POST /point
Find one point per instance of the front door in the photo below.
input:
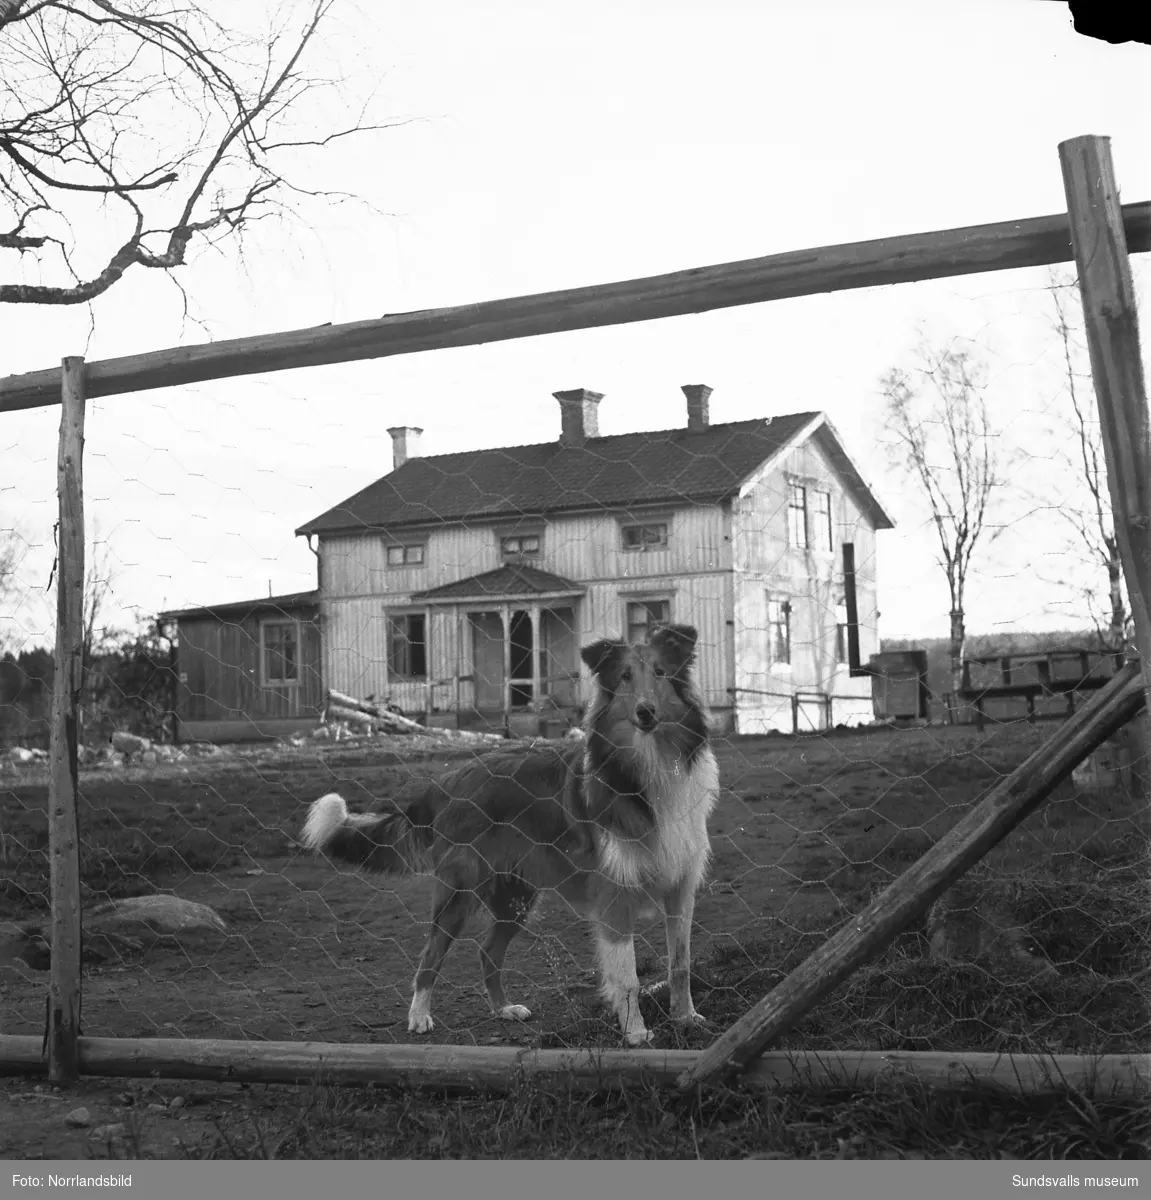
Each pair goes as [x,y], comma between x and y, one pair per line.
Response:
[559,662]
[488,658]
[522,650]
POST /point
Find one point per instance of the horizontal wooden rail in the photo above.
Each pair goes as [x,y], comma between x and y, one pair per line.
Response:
[497,1067]
[1034,242]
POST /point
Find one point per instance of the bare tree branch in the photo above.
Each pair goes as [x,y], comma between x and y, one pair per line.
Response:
[182,119]
[8,146]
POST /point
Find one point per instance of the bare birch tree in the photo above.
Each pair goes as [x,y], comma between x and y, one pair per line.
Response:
[941,438]
[1089,518]
[13,548]
[99,584]
[132,129]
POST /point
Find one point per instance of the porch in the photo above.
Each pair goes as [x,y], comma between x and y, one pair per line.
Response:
[515,666]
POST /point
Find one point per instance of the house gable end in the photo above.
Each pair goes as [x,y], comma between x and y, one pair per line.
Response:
[847,473]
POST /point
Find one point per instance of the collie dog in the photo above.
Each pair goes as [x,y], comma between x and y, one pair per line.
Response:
[617,826]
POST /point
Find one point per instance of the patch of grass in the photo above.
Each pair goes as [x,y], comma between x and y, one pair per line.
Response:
[1094,924]
[138,830]
[897,1120]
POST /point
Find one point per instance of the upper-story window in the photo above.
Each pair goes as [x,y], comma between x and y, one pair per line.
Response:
[648,536]
[797,516]
[408,555]
[520,545]
[822,530]
[809,518]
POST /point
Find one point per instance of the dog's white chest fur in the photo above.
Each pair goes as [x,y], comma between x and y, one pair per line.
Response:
[678,847]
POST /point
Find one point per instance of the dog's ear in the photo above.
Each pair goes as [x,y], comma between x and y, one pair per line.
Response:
[600,655]
[677,642]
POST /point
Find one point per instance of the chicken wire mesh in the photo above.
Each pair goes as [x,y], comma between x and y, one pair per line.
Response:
[1041,948]
[455,597]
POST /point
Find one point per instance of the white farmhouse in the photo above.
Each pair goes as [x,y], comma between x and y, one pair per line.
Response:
[463,585]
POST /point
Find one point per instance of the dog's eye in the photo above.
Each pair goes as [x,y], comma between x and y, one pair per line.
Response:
[625,675]
[658,672]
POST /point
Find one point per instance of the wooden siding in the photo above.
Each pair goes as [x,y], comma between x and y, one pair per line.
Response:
[586,548]
[704,601]
[357,633]
[811,580]
[221,680]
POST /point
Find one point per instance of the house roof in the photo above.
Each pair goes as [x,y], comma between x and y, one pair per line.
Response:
[512,579]
[286,605]
[673,466]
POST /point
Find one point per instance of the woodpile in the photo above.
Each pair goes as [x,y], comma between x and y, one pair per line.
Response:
[374,717]
[369,717]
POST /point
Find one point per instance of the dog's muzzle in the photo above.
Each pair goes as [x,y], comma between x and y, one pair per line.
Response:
[645,719]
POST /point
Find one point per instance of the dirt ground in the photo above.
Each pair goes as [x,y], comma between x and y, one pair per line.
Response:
[806,829]
[123,1119]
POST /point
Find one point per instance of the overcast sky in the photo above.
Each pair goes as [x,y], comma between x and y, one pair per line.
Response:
[548,150]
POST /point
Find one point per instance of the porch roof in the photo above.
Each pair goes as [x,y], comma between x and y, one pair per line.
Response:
[512,581]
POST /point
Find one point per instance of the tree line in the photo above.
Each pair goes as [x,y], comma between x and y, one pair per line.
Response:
[129,683]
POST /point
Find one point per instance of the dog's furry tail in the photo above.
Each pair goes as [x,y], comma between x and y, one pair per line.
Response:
[389,843]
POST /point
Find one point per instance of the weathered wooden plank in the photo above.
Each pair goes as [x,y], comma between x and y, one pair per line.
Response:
[63,781]
[380,719]
[1112,326]
[496,1068]
[1000,811]
[1007,245]
[363,707]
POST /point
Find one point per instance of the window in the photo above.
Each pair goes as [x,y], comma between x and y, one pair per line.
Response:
[797,515]
[643,614]
[520,544]
[841,632]
[644,537]
[407,647]
[821,520]
[779,630]
[280,652]
[406,556]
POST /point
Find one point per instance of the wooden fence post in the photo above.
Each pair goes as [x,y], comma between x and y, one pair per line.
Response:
[63,830]
[866,935]
[1112,326]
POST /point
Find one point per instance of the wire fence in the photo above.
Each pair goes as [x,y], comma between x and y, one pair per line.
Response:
[807,832]
[455,600]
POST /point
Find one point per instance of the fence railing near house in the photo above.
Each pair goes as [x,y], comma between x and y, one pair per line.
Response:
[1049,683]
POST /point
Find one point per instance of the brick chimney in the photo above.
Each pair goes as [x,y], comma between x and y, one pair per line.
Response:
[579,416]
[405,444]
[697,408]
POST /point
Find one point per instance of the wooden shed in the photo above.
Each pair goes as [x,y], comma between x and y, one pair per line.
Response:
[248,670]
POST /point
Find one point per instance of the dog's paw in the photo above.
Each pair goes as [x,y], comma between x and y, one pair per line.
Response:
[690,1019]
[514,1012]
[638,1037]
[655,989]
[420,1023]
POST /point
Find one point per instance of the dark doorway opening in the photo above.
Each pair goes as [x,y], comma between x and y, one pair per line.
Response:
[520,635]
